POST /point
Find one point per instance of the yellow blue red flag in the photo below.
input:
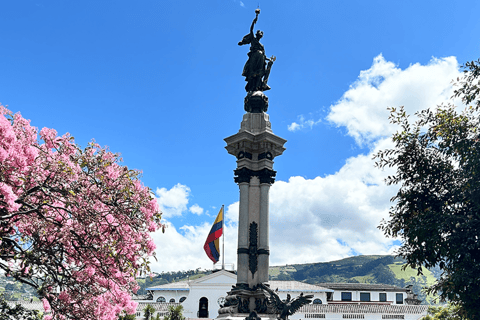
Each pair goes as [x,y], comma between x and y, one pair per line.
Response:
[211,245]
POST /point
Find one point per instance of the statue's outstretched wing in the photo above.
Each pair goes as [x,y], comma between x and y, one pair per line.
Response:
[273,298]
[246,40]
[298,302]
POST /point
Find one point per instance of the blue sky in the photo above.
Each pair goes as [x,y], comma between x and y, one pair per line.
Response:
[160,82]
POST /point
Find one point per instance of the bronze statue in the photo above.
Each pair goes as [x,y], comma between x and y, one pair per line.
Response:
[255,72]
[285,308]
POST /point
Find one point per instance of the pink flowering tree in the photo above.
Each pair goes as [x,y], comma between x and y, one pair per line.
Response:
[74,223]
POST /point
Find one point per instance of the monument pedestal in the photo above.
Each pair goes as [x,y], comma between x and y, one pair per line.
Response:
[255,147]
[243,316]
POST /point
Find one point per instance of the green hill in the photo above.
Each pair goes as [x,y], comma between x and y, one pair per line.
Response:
[359,269]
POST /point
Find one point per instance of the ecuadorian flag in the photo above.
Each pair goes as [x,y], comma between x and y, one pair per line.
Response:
[211,246]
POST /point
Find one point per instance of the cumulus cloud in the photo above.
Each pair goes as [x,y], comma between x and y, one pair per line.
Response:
[182,248]
[231,215]
[330,217]
[362,108]
[196,209]
[174,201]
[302,124]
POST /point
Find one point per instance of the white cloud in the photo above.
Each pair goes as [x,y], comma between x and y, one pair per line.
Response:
[331,217]
[182,248]
[196,209]
[302,124]
[362,108]
[174,201]
[231,215]
[293,127]
[242,4]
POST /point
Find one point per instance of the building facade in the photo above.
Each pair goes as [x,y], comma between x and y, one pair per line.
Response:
[201,298]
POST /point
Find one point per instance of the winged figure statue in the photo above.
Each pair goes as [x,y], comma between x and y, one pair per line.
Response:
[288,306]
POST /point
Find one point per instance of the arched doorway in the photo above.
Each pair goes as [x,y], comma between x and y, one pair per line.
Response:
[203,308]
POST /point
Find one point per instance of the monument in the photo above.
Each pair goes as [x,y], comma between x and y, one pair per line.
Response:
[255,146]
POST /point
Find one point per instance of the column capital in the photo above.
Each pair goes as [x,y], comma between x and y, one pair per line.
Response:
[244,175]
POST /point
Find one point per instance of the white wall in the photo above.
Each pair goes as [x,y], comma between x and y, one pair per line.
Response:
[177,294]
[374,296]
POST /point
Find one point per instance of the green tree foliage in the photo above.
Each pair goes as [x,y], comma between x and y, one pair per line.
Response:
[17,313]
[384,275]
[175,313]
[436,211]
[148,312]
[127,317]
[283,276]
[448,312]
[342,270]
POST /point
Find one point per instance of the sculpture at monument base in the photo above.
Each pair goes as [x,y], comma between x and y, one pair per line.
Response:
[286,307]
[267,302]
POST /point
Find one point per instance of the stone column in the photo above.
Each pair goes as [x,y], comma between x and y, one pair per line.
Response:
[255,146]
[242,253]
[263,231]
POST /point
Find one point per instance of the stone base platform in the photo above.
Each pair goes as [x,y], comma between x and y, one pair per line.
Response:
[242,316]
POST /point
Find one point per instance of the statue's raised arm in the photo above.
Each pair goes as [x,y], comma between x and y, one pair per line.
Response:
[256,71]
[248,38]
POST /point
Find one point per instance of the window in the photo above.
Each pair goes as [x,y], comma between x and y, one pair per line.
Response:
[353,316]
[161,299]
[172,300]
[182,299]
[399,298]
[317,301]
[202,308]
[346,296]
[382,297]
[364,296]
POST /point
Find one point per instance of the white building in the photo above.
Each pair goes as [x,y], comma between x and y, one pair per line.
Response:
[201,298]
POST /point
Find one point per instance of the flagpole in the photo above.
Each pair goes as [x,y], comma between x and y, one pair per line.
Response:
[223,238]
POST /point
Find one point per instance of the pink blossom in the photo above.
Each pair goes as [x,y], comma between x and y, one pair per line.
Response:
[110,218]
[90,271]
[9,197]
[64,296]
[46,305]
[49,136]
[151,246]
[152,227]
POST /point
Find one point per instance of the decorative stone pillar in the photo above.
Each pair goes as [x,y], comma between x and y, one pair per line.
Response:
[255,147]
